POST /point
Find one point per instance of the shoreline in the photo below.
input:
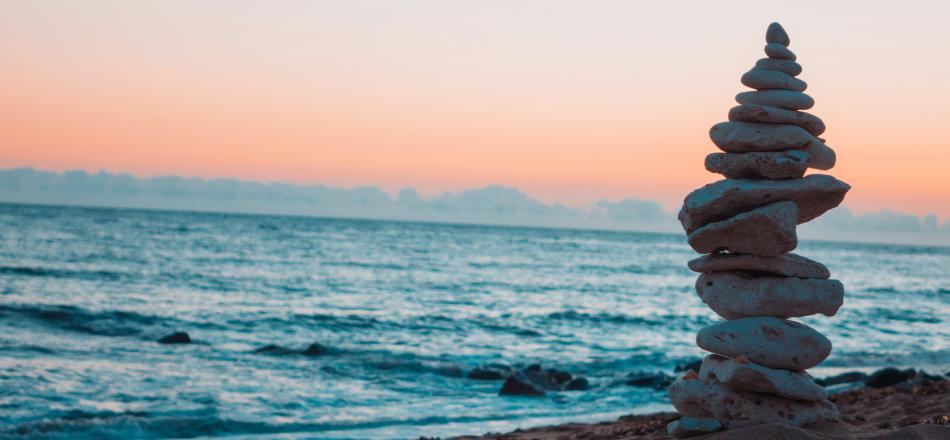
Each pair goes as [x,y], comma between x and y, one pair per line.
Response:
[899,412]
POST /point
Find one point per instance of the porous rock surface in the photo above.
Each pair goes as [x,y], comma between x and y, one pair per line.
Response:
[746,226]
[768,341]
[736,294]
[789,265]
[768,231]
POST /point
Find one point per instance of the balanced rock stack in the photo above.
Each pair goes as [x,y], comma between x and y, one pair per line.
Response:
[745,224]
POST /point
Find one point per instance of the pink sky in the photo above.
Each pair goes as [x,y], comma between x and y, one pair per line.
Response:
[568,101]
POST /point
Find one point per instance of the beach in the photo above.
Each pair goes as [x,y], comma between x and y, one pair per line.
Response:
[900,412]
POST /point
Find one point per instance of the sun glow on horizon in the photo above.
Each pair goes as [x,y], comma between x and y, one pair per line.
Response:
[570,103]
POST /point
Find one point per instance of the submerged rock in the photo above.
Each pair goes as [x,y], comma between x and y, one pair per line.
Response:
[175,338]
[274,350]
[490,372]
[533,379]
[315,349]
[838,379]
[518,384]
[889,376]
[655,380]
[577,384]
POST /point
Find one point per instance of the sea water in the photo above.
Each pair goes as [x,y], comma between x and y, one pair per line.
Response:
[403,312]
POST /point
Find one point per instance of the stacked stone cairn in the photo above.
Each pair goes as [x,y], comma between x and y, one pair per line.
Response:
[745,225]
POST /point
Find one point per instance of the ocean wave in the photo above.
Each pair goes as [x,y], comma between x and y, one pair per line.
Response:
[573,315]
[139,424]
[72,318]
[38,271]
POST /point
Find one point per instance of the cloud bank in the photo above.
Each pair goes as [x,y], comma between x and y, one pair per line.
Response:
[489,205]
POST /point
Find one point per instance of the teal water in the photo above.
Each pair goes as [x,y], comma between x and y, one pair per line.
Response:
[404,311]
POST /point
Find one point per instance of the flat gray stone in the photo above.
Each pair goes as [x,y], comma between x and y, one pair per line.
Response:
[786,66]
[768,230]
[789,265]
[707,398]
[740,374]
[775,50]
[813,194]
[745,137]
[736,295]
[786,99]
[691,427]
[772,342]
[777,115]
[776,34]
[761,79]
[787,164]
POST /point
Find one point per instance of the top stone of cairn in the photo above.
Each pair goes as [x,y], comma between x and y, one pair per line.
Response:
[776,34]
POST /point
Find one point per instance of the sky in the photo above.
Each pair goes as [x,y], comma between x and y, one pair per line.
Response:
[570,102]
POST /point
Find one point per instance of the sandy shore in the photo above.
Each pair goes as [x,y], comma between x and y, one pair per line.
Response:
[894,413]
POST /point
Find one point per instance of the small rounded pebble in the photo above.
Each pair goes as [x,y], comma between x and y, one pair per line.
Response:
[776,34]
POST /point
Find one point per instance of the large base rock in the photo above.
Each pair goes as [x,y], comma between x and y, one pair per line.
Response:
[768,231]
[772,342]
[744,375]
[813,195]
[707,398]
[735,295]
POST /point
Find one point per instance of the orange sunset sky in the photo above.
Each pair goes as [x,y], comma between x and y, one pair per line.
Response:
[568,101]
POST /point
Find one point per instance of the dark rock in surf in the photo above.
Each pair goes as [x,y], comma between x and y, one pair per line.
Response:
[889,376]
[315,350]
[175,338]
[273,350]
[533,378]
[518,384]
[657,380]
[490,372]
[838,379]
[577,384]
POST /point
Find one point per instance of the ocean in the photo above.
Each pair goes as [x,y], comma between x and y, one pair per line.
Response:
[401,312]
